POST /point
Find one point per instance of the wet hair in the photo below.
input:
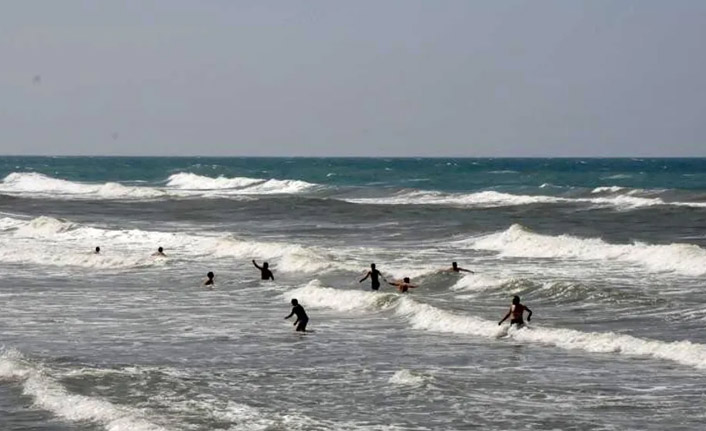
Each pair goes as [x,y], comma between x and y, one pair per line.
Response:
[294,302]
[406,279]
[454,264]
[372,265]
[515,299]
[265,264]
[160,249]
[98,249]
[209,275]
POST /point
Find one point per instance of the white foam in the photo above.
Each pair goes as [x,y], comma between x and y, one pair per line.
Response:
[49,395]
[406,377]
[315,295]
[32,183]
[492,199]
[478,282]
[479,199]
[238,185]
[427,317]
[518,241]
[607,189]
[47,240]
[189,181]
[181,185]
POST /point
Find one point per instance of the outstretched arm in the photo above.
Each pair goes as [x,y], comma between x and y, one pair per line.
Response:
[256,265]
[365,278]
[466,270]
[290,315]
[506,316]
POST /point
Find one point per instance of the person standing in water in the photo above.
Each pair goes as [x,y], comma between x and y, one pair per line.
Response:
[517,311]
[302,318]
[159,252]
[456,268]
[375,276]
[402,286]
[98,250]
[265,273]
[210,281]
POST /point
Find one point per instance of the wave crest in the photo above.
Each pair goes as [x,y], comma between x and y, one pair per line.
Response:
[427,317]
[50,395]
[238,185]
[518,241]
[181,185]
[50,241]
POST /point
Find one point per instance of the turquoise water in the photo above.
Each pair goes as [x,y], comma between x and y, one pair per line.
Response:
[434,174]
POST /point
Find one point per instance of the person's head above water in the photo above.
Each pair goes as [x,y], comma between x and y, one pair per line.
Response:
[265,265]
[515,300]
[454,265]
[295,302]
[406,279]
[98,249]
[372,266]
[210,275]
[160,249]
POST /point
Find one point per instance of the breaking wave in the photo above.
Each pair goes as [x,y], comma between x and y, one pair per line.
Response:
[32,183]
[50,241]
[491,199]
[427,317]
[181,185]
[518,241]
[48,394]
[238,185]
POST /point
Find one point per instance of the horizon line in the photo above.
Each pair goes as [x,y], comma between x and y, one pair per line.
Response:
[347,157]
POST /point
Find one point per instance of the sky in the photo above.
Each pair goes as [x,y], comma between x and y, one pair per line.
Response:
[409,78]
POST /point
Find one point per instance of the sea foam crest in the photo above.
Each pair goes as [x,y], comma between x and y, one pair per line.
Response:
[607,189]
[491,199]
[238,185]
[34,183]
[480,199]
[47,240]
[50,395]
[406,377]
[181,185]
[518,241]
[427,317]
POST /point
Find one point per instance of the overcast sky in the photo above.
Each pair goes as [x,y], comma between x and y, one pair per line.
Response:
[358,78]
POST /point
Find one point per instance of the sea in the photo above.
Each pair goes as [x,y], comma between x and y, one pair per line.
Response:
[609,254]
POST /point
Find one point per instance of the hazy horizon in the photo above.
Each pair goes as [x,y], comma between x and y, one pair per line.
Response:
[455,79]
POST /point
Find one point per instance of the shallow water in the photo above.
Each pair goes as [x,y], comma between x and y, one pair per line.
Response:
[609,254]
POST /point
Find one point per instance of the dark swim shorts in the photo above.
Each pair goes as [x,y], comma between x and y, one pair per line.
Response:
[301,327]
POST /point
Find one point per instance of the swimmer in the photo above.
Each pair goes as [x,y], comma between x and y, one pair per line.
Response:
[210,281]
[98,250]
[302,318]
[456,268]
[159,252]
[265,273]
[374,275]
[402,286]
[517,311]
